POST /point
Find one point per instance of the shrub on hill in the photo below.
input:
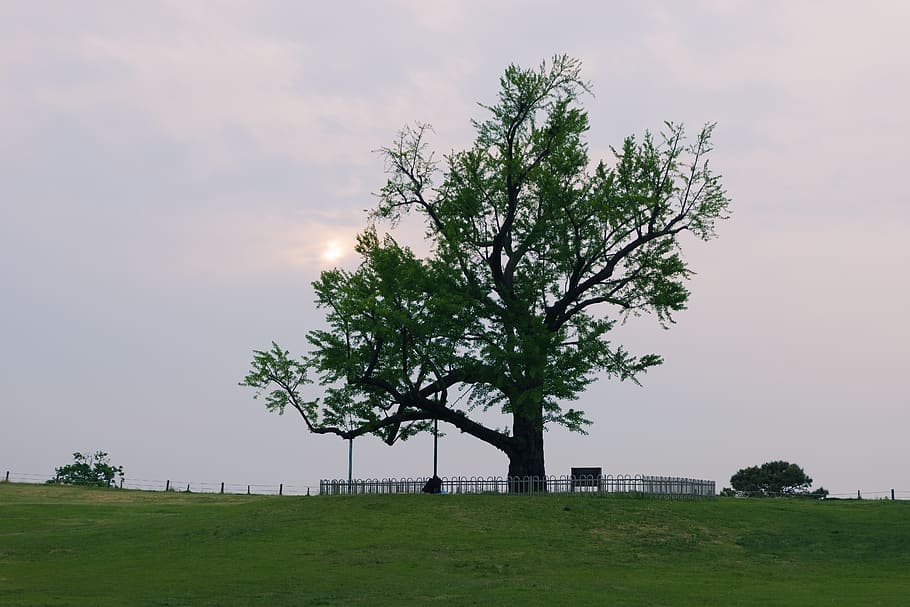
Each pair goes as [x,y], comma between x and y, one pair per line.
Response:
[88,469]
[778,478]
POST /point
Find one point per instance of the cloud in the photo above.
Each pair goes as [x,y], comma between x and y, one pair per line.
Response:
[202,73]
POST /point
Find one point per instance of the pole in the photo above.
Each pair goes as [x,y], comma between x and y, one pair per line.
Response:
[350,460]
[435,446]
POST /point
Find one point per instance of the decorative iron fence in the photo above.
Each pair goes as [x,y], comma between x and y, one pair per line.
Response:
[651,486]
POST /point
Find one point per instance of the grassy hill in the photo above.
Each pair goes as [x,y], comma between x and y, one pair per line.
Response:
[78,546]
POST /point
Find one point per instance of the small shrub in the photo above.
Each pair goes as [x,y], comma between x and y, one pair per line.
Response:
[88,469]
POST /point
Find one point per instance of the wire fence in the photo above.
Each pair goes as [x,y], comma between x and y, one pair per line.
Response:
[884,494]
[181,485]
[650,486]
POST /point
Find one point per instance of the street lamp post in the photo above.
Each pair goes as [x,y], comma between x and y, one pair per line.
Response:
[435,445]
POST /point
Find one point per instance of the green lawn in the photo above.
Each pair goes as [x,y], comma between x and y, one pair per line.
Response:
[78,546]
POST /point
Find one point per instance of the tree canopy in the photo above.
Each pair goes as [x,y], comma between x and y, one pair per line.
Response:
[537,253]
[777,478]
[88,469]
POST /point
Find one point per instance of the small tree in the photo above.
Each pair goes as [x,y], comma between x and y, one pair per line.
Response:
[88,469]
[777,478]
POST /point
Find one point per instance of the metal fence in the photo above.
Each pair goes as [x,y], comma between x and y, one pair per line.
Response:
[650,486]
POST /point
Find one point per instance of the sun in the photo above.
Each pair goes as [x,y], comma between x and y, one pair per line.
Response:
[332,251]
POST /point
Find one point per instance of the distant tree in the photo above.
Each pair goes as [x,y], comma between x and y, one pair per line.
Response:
[88,469]
[778,478]
[537,254]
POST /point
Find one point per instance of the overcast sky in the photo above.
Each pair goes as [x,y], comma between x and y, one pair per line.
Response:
[174,175]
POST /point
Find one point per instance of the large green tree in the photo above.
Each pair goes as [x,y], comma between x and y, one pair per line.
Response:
[537,253]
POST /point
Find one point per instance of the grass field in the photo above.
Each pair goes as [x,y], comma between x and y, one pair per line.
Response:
[78,546]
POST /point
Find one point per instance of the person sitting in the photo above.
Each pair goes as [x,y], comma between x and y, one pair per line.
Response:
[434,485]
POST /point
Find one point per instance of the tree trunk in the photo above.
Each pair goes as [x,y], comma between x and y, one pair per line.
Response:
[526,463]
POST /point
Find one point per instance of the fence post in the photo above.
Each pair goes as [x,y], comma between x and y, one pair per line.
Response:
[7,476]
[892,493]
[222,486]
[247,489]
[281,489]
[858,496]
[167,485]
[121,482]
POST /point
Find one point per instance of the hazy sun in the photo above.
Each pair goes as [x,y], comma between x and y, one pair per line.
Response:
[332,251]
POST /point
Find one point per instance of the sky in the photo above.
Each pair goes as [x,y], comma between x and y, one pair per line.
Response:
[174,175]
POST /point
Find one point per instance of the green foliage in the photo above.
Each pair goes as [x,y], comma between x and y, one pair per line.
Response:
[226,550]
[537,254]
[778,478]
[88,469]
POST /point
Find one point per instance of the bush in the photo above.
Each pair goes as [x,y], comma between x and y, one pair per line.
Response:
[777,478]
[94,470]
